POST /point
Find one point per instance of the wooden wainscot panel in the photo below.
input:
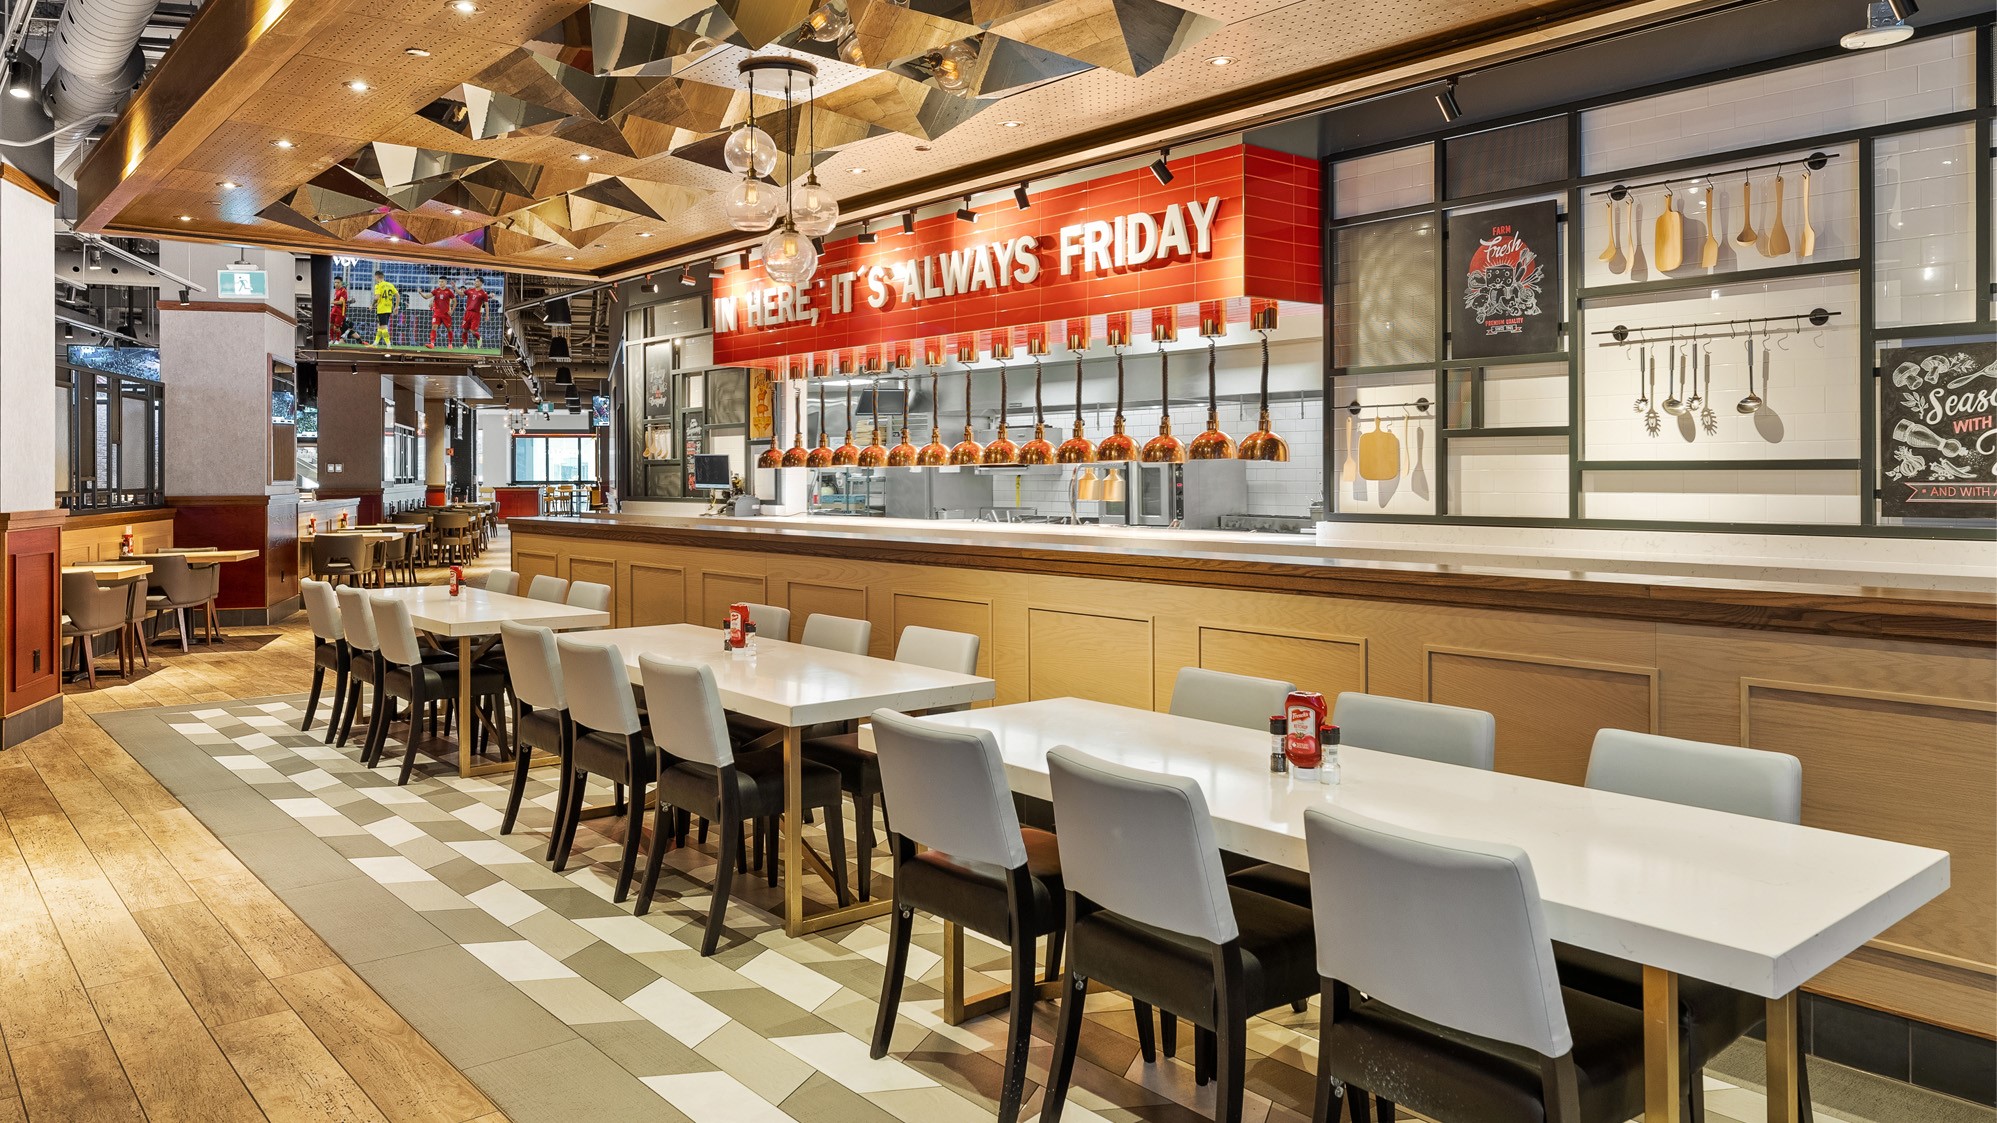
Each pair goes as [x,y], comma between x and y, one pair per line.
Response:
[654,594]
[973,617]
[719,589]
[31,606]
[807,599]
[603,571]
[1083,655]
[530,564]
[1548,709]
[92,538]
[1326,664]
[1860,750]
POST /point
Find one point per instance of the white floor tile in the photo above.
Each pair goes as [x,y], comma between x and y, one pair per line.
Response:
[265,721]
[629,933]
[254,741]
[505,902]
[395,831]
[241,763]
[317,779]
[390,871]
[479,816]
[385,795]
[715,1097]
[206,714]
[489,852]
[779,974]
[685,1017]
[519,961]
[307,808]
[844,1058]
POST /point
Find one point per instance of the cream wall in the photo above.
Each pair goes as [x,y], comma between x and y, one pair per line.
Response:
[27,351]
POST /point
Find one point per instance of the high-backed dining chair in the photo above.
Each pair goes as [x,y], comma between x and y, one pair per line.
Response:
[1439,987]
[1151,914]
[1404,727]
[590,594]
[1229,699]
[336,555]
[329,650]
[357,627]
[976,867]
[457,538]
[700,774]
[211,588]
[1739,781]
[835,633]
[859,770]
[393,556]
[771,622]
[546,588]
[401,672]
[135,619]
[91,610]
[606,739]
[502,581]
[181,587]
[540,714]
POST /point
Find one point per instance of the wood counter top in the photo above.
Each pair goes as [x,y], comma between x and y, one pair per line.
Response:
[1960,616]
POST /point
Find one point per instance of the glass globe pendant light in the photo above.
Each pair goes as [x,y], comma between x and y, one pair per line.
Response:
[749,150]
[815,211]
[828,23]
[788,256]
[751,204]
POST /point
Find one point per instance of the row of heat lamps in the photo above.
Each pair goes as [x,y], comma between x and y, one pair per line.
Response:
[1263,444]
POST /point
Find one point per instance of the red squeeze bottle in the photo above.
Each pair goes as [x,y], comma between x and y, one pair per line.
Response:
[738,619]
[1305,713]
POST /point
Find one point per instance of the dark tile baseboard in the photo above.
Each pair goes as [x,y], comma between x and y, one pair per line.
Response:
[30,722]
[1927,1056]
[274,614]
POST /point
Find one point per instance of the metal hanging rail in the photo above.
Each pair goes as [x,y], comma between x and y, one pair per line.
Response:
[1355,408]
[1623,336]
[1815,161]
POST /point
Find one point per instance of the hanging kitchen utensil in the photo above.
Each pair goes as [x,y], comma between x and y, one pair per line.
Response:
[1808,245]
[875,454]
[821,456]
[1418,474]
[1709,250]
[1674,369]
[1212,444]
[1778,235]
[1620,263]
[1001,450]
[1350,457]
[1753,400]
[1767,361]
[1651,422]
[1164,448]
[1693,398]
[1614,247]
[1263,443]
[1037,450]
[1747,236]
[1668,246]
[902,455]
[848,454]
[935,452]
[1642,395]
[1118,445]
[1379,453]
[968,450]
[1708,420]
[1076,449]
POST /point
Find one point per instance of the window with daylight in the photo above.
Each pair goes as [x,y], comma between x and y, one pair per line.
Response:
[554,460]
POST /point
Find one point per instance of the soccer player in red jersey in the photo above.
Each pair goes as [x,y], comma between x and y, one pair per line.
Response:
[339,317]
[442,297]
[475,298]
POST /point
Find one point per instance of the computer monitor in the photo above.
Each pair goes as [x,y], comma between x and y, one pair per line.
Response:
[710,472]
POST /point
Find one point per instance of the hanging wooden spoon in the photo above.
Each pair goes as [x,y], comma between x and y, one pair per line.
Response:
[1809,242]
[1610,251]
[1620,263]
[1709,253]
[1747,236]
[1778,237]
[1668,247]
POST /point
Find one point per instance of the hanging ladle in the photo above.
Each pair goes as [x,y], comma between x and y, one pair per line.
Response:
[1753,400]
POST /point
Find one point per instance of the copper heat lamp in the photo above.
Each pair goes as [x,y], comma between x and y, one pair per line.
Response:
[1076,449]
[1001,450]
[902,455]
[1164,448]
[935,452]
[820,457]
[968,450]
[848,454]
[1263,443]
[876,453]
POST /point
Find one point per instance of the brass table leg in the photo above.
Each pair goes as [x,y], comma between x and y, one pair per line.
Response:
[791,847]
[1785,1060]
[1662,1055]
[464,707]
[959,1008]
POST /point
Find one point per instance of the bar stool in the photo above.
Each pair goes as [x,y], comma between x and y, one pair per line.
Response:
[329,650]
[1229,699]
[400,672]
[502,581]
[91,610]
[977,867]
[860,770]
[1151,914]
[546,588]
[1439,988]
[700,774]
[540,714]
[1697,774]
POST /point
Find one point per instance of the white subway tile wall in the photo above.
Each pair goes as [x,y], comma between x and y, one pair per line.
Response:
[1384,181]
[1760,496]
[1508,477]
[1924,249]
[1525,395]
[1413,491]
[1833,213]
[1811,409]
[1920,78]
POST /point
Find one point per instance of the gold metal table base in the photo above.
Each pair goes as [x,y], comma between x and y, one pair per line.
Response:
[959,1008]
[1663,1056]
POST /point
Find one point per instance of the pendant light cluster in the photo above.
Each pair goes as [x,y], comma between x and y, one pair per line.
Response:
[753,204]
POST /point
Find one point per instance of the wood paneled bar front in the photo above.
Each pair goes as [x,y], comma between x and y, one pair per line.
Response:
[1889,696]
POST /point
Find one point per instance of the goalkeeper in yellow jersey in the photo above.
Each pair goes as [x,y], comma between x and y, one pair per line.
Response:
[387,298]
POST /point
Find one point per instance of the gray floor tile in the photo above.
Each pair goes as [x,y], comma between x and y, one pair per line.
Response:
[234,810]
[361,920]
[766,1013]
[290,856]
[569,1081]
[614,972]
[644,1049]
[470,926]
[821,1099]
[459,1005]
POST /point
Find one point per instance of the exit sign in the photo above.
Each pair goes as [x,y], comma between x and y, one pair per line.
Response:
[241,284]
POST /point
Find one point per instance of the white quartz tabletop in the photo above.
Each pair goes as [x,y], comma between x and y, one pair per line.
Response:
[1753,904]
[478,612]
[789,684]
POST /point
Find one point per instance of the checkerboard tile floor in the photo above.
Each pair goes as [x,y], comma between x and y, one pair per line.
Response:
[557,1002]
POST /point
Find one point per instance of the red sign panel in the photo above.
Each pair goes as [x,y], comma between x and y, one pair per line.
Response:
[1235,222]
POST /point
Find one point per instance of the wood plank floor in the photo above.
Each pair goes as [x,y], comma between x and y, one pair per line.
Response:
[148,974]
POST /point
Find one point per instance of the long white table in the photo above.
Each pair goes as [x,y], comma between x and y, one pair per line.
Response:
[1756,905]
[477,614]
[792,686]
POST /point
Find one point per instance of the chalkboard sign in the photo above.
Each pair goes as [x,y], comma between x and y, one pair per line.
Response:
[1504,281]
[1938,431]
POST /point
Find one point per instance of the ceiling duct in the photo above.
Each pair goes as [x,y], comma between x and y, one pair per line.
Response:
[96,60]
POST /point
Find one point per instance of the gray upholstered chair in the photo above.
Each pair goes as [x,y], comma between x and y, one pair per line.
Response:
[502,581]
[546,588]
[771,622]
[590,594]
[329,650]
[834,633]
[606,739]
[1229,699]
[977,867]
[859,770]
[457,537]
[1698,774]
[540,713]
[336,555]
[401,672]
[1439,987]
[91,610]
[181,587]
[392,556]
[699,774]
[1430,730]
[1151,914]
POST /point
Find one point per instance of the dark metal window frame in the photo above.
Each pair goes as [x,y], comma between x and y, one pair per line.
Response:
[591,462]
[1574,190]
[80,416]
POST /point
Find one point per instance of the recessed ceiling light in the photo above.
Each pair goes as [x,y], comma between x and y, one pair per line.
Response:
[415,52]
[857,171]
[644,233]
[1012,124]
[282,143]
[584,157]
[358,85]
[395,237]
[570,257]
[227,185]
[1221,60]
[457,210]
[187,218]
[464,7]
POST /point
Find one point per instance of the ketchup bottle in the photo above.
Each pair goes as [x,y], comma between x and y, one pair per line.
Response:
[1304,713]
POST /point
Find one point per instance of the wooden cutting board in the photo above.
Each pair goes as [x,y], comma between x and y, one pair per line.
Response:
[1668,251]
[1379,453]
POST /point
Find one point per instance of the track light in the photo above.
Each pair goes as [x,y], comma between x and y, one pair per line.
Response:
[866,237]
[1885,24]
[1160,167]
[21,78]
[1903,10]
[686,276]
[557,313]
[184,298]
[1020,197]
[648,286]
[818,243]
[908,222]
[1446,101]
[965,213]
